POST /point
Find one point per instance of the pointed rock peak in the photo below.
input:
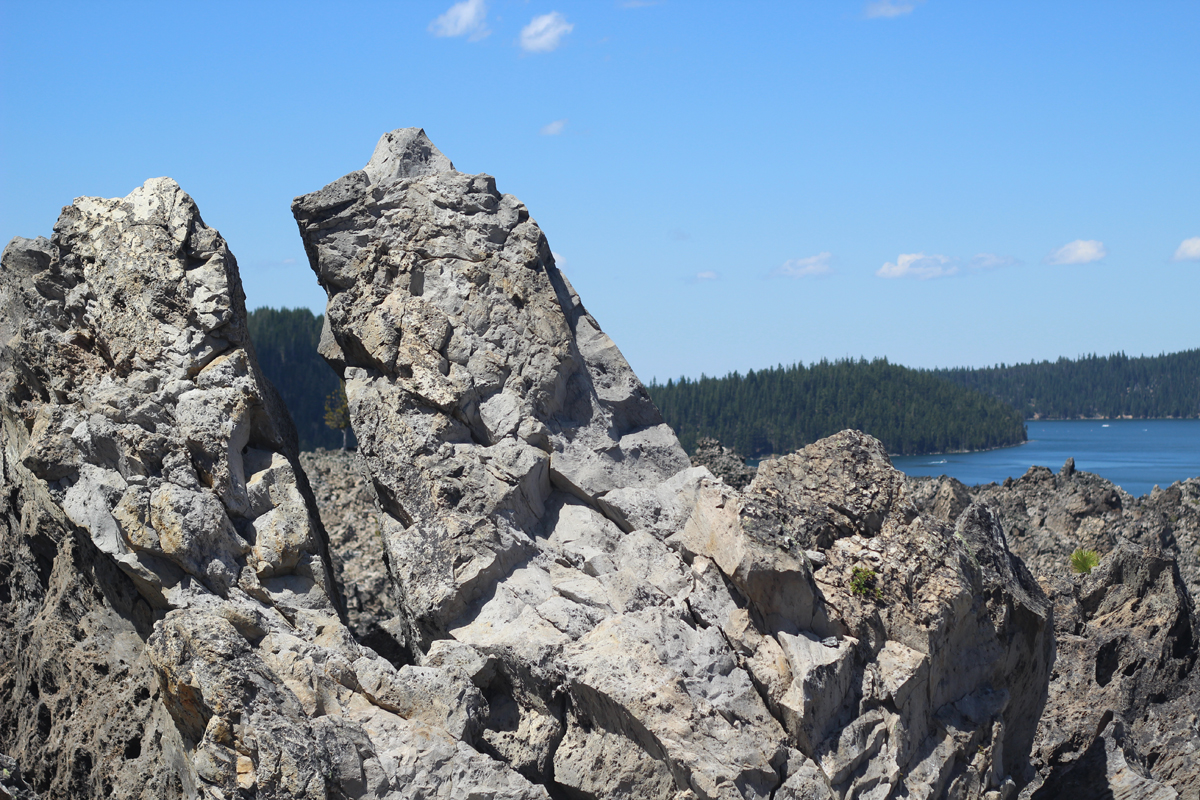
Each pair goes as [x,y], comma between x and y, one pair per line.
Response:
[405,153]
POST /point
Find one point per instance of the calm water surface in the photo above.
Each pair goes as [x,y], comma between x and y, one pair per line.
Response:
[1134,454]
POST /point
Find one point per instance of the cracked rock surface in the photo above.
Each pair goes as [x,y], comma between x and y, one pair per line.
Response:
[636,627]
[518,587]
[170,623]
[1121,716]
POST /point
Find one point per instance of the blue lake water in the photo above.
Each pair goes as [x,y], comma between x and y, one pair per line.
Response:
[1134,454]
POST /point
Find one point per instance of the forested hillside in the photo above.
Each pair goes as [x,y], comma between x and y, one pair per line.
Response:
[1093,386]
[781,409]
[286,343]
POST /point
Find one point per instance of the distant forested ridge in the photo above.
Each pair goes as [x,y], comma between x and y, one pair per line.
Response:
[1093,386]
[286,343]
[782,409]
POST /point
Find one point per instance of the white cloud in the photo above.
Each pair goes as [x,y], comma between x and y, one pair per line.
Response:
[1189,250]
[811,267]
[919,266]
[544,33]
[462,19]
[554,128]
[707,275]
[559,261]
[984,261]
[886,9]
[1079,251]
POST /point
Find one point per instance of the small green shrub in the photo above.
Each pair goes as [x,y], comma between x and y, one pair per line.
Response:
[863,583]
[1084,561]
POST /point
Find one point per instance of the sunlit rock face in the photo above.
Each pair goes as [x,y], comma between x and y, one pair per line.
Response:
[525,590]
[636,627]
[170,624]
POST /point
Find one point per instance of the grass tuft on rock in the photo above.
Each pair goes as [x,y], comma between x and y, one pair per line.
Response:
[1084,561]
[863,582]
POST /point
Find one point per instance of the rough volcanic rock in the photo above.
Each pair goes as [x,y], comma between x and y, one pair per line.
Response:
[1121,715]
[637,628]
[722,462]
[1049,515]
[353,523]
[1122,710]
[170,625]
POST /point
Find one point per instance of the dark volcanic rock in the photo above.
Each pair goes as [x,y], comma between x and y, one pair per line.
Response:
[1121,716]
[722,462]
[354,525]
[1047,516]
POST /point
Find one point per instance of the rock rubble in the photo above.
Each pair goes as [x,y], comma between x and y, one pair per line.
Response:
[723,462]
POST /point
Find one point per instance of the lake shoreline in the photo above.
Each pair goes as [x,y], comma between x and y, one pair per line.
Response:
[1134,454]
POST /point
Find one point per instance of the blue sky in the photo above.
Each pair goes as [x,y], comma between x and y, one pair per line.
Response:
[728,185]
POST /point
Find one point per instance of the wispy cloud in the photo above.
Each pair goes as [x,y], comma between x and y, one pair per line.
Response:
[545,33]
[1189,250]
[559,260]
[985,261]
[467,18]
[707,275]
[920,266]
[887,9]
[1080,251]
[554,128]
[810,267]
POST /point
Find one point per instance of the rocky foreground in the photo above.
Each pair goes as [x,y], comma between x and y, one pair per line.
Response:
[518,587]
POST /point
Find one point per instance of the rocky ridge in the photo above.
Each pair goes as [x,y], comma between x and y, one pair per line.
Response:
[637,627]
[520,588]
[1049,515]
[1121,718]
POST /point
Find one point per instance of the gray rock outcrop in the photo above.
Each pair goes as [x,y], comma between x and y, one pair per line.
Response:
[636,627]
[171,627]
[1120,718]
[518,587]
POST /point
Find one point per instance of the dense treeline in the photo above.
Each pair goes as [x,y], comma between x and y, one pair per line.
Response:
[781,409]
[286,342]
[1093,386]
